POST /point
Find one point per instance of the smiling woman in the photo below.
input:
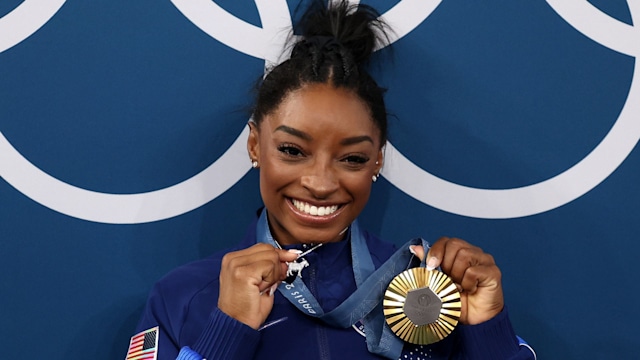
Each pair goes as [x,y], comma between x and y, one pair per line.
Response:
[305,267]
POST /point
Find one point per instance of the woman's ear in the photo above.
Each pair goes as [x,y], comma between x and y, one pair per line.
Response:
[379,161]
[253,142]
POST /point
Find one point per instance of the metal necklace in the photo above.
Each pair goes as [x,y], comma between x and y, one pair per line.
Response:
[294,268]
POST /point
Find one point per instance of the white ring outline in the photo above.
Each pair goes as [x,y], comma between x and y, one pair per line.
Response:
[204,186]
[267,43]
[562,188]
[506,203]
[14,29]
[125,208]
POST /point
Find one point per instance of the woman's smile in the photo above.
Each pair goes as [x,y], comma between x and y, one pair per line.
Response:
[313,210]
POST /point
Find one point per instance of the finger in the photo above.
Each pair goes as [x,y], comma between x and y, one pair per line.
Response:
[257,253]
[250,251]
[271,268]
[417,251]
[270,290]
[481,276]
[261,268]
[466,258]
[250,255]
[288,255]
[437,249]
[458,253]
[260,274]
[442,252]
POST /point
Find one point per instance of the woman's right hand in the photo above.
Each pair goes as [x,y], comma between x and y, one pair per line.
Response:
[248,279]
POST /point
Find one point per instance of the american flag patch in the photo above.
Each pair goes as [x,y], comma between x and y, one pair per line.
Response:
[144,345]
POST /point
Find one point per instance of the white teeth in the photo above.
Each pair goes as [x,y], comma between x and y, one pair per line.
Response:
[314,210]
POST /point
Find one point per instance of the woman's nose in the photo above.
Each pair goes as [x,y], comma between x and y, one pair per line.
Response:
[320,181]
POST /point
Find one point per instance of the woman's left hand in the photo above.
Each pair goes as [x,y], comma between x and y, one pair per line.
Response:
[474,271]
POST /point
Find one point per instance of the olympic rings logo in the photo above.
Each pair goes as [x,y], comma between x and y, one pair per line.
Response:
[266,43]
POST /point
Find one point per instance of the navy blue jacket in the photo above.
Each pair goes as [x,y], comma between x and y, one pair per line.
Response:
[183,305]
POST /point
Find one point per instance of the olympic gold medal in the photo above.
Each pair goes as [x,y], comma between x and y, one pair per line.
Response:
[422,306]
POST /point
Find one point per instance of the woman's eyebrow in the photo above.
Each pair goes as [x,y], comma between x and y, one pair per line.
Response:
[356,140]
[294,132]
[303,135]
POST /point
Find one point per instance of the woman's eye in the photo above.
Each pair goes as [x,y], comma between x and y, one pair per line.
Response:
[355,159]
[289,150]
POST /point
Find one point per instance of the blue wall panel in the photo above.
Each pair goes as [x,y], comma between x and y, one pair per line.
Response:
[121,155]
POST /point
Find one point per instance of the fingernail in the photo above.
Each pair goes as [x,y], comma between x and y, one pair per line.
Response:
[295,251]
[273,289]
[411,250]
[432,263]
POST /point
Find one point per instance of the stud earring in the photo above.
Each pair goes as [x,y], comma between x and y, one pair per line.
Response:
[254,164]
[374,178]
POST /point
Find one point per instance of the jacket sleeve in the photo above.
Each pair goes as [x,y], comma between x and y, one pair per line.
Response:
[222,338]
[155,314]
[493,339]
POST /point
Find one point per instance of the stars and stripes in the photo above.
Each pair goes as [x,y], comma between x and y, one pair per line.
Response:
[144,345]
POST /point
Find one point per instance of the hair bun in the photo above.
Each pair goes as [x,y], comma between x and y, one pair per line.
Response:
[335,44]
[356,28]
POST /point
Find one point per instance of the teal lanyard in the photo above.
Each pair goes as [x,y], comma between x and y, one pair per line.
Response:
[365,303]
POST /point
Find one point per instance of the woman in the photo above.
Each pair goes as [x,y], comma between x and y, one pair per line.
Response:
[317,137]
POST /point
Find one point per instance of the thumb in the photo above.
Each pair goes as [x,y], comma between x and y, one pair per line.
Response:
[432,262]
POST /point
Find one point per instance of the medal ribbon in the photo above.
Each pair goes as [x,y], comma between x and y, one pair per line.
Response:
[366,302]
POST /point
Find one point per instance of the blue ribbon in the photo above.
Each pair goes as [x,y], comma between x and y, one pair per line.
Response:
[366,302]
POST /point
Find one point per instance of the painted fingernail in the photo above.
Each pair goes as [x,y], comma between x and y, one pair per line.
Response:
[295,251]
[273,289]
[411,249]
[432,263]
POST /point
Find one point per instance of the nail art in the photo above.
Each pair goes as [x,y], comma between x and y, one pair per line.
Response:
[432,263]
[273,289]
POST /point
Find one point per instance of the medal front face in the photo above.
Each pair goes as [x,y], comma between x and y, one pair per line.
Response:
[422,306]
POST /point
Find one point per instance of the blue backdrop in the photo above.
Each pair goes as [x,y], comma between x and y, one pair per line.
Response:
[122,155]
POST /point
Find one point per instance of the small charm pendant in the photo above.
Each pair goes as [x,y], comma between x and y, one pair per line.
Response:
[294,269]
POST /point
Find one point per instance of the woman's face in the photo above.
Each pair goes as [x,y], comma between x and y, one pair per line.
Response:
[317,153]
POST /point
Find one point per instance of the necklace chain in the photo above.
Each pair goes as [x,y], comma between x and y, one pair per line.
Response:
[313,247]
[310,250]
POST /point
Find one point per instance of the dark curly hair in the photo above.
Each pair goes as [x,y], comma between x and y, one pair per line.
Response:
[337,41]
